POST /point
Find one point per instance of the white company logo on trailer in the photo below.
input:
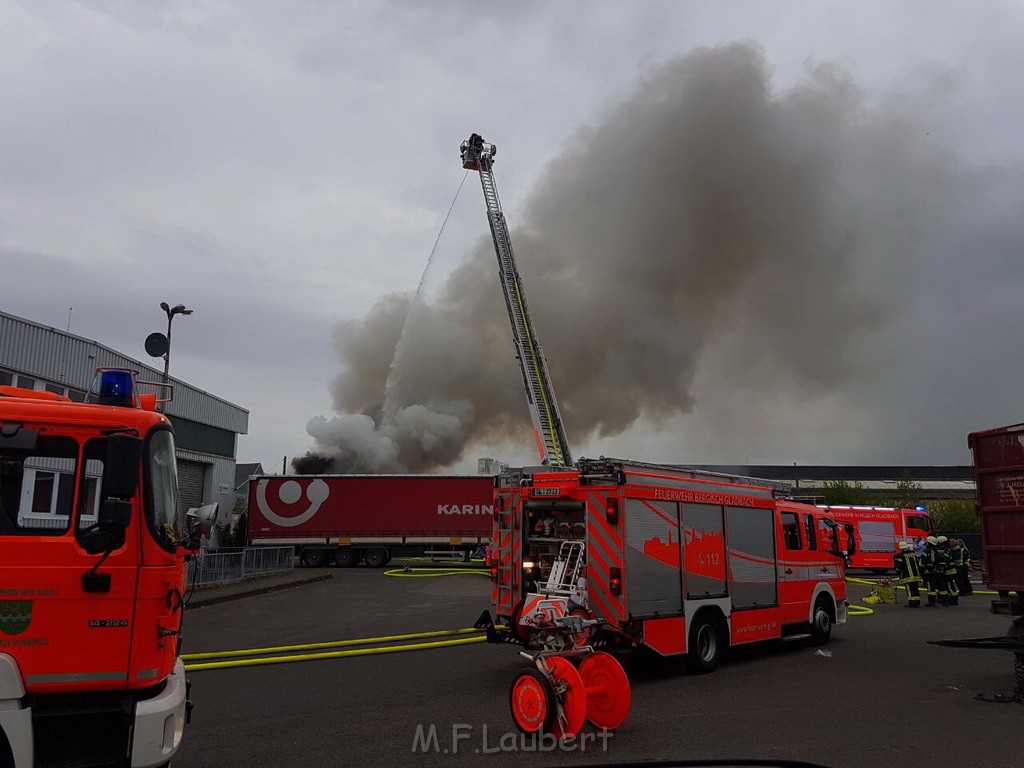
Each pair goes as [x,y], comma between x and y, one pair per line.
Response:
[676,561]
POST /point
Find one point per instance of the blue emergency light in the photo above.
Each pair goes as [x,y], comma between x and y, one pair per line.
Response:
[116,387]
[919,508]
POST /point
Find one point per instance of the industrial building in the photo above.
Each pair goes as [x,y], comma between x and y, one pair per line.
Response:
[810,481]
[206,427]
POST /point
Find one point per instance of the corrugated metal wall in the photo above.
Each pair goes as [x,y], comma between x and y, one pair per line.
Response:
[38,350]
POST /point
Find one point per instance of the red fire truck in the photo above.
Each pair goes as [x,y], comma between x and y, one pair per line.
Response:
[347,519]
[674,561]
[877,531]
[646,557]
[91,579]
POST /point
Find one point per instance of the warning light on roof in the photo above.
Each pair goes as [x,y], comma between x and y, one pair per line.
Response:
[116,387]
[919,508]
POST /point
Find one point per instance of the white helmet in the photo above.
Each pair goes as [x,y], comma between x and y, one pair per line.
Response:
[943,539]
[904,546]
[932,540]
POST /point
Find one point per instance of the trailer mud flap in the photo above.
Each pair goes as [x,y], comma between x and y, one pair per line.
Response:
[495,634]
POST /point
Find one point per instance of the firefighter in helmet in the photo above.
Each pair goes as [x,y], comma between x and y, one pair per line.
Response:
[964,571]
[930,565]
[909,573]
[948,574]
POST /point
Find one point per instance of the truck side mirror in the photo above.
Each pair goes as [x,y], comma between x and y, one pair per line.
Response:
[108,534]
[121,467]
[115,515]
[201,521]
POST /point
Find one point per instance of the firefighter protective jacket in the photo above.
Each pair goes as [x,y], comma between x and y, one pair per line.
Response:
[906,566]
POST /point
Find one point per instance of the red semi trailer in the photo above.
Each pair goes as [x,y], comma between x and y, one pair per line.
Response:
[347,519]
[999,473]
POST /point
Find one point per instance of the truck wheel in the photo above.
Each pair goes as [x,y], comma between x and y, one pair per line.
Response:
[821,624]
[707,642]
[345,557]
[376,557]
[314,558]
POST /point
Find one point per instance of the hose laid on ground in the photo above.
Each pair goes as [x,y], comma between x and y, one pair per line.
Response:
[233,661]
[433,572]
[870,583]
[859,610]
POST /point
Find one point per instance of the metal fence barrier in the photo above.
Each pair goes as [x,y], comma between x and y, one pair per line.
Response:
[227,566]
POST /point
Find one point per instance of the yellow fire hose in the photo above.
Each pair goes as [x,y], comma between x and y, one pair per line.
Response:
[229,659]
[870,583]
[426,573]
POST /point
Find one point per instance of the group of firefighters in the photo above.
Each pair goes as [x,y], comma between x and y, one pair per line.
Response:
[942,564]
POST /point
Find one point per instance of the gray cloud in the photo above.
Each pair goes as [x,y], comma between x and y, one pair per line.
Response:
[780,229]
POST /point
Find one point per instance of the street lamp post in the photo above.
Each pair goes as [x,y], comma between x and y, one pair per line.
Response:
[179,309]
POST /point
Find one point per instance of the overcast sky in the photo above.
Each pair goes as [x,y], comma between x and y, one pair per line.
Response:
[281,167]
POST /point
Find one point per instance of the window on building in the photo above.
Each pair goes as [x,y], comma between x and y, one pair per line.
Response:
[812,539]
[26,382]
[791,530]
[57,389]
[76,395]
[37,487]
[42,498]
[6,378]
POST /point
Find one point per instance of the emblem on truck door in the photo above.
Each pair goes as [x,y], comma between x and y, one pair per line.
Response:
[15,616]
[289,493]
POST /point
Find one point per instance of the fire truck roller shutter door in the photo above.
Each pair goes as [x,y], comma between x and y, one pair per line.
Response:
[703,544]
[191,482]
[653,583]
[877,536]
[751,535]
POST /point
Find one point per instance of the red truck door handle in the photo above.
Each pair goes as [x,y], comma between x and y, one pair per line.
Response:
[789,570]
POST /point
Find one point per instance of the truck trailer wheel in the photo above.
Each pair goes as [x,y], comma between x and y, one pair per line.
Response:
[345,557]
[314,558]
[376,557]
[707,643]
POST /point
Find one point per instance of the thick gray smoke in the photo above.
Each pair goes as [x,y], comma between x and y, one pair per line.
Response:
[707,212]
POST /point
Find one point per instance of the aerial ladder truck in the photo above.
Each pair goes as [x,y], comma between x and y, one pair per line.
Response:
[567,682]
[478,155]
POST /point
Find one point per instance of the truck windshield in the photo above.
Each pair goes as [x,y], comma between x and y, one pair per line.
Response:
[162,507]
[37,487]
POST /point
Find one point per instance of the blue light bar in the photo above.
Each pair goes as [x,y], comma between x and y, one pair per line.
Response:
[919,508]
[116,387]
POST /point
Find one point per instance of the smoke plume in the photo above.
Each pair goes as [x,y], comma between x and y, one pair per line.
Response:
[707,215]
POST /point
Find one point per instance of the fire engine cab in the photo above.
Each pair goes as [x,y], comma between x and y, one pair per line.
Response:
[671,560]
[92,571]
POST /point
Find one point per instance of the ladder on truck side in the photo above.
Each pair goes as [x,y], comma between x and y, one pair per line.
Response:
[478,155]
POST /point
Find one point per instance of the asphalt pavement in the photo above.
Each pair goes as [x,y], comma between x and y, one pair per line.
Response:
[883,698]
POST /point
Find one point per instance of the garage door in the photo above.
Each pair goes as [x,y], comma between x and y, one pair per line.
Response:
[191,481]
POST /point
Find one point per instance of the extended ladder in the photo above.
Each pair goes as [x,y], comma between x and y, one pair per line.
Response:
[478,155]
